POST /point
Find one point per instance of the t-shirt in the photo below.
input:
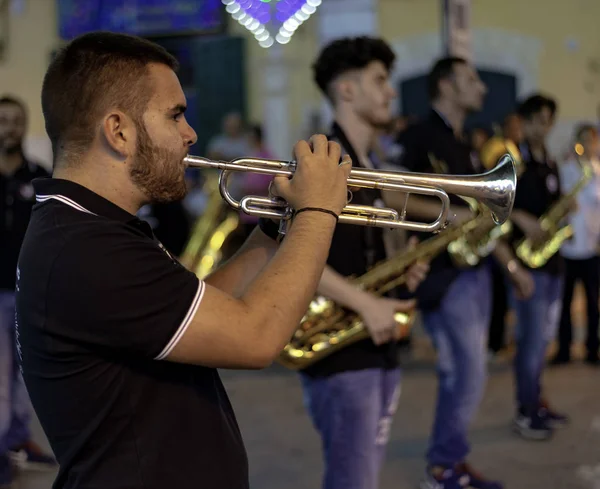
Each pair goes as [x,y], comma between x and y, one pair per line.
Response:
[353,250]
[430,146]
[100,304]
[538,189]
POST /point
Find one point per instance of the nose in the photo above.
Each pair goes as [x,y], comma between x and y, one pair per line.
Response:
[190,136]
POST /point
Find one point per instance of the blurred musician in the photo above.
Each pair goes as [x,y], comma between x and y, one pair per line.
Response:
[455,303]
[352,394]
[581,252]
[535,293]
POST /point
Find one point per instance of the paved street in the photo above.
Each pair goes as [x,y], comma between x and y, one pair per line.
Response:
[284,450]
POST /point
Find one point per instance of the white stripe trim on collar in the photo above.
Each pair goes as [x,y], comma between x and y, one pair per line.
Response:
[64,200]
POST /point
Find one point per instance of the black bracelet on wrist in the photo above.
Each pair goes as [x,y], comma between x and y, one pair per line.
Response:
[317,209]
[270,228]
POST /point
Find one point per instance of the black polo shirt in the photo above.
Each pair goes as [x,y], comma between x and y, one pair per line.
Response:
[537,190]
[16,200]
[354,249]
[100,303]
[430,146]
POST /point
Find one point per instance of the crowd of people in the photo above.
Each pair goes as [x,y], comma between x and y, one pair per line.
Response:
[118,345]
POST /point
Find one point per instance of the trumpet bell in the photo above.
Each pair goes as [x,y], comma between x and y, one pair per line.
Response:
[497,187]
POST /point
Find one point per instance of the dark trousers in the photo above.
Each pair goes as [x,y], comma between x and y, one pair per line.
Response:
[588,271]
[496,338]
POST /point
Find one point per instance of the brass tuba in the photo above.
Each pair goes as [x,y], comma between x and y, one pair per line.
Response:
[470,248]
[536,255]
[327,327]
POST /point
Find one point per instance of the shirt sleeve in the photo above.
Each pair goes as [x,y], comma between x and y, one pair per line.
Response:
[121,293]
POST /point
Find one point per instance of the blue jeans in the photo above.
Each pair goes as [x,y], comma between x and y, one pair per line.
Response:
[15,407]
[353,412]
[537,322]
[459,332]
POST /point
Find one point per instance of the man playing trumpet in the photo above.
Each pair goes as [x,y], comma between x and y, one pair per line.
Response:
[119,344]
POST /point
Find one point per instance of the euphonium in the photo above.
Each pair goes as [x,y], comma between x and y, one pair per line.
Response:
[204,249]
[469,249]
[327,327]
[536,255]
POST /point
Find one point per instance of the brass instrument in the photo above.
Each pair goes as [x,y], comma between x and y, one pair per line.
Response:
[536,255]
[469,249]
[204,249]
[494,189]
[328,327]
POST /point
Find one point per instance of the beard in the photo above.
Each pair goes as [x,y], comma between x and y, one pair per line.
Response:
[157,172]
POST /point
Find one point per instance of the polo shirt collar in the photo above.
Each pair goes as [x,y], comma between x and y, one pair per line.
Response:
[80,198]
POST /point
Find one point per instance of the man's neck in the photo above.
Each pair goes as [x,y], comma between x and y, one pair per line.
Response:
[360,134]
[125,196]
[10,163]
[452,115]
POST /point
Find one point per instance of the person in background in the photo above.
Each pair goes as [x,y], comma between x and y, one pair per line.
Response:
[454,301]
[232,142]
[479,136]
[16,200]
[581,252]
[537,306]
[254,183]
[352,394]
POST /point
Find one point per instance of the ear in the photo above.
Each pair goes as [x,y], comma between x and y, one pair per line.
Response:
[119,133]
[345,89]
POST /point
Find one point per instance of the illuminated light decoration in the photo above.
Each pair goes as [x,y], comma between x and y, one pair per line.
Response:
[282,16]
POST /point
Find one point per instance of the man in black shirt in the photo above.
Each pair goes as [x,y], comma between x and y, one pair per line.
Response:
[16,200]
[536,294]
[352,394]
[455,302]
[119,344]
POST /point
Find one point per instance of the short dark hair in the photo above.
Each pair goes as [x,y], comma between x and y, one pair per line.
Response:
[348,54]
[534,104]
[441,70]
[91,74]
[12,100]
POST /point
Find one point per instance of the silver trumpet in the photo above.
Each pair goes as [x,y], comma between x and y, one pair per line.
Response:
[495,189]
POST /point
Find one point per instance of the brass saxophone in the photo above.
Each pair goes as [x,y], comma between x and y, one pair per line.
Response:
[204,250]
[469,249]
[536,255]
[327,327]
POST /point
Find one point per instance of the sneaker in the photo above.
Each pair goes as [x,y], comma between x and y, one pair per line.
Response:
[532,427]
[553,418]
[31,457]
[477,481]
[444,478]
[6,472]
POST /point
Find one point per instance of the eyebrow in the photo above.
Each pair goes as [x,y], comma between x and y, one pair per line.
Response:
[179,108]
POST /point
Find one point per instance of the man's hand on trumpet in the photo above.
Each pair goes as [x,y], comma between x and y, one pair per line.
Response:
[319,180]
